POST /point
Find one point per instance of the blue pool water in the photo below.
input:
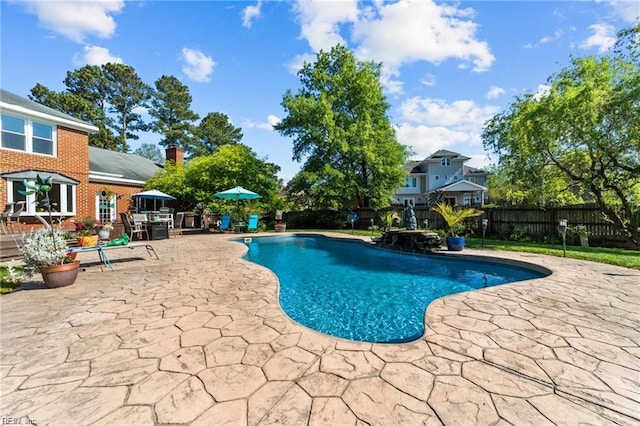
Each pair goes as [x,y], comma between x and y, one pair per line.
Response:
[349,290]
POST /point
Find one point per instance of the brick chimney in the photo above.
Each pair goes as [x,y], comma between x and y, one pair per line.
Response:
[174,153]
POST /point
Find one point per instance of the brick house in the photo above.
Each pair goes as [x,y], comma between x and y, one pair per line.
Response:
[88,181]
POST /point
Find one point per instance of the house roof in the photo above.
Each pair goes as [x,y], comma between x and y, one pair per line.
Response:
[31,175]
[14,103]
[119,167]
[463,186]
[473,171]
[443,153]
[413,166]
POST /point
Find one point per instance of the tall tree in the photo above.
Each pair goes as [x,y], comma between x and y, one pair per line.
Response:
[150,151]
[231,165]
[110,96]
[127,94]
[171,110]
[339,123]
[83,99]
[585,128]
[215,130]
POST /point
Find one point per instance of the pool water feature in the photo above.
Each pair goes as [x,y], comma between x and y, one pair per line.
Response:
[349,290]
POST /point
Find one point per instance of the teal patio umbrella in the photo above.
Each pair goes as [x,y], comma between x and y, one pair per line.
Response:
[238,193]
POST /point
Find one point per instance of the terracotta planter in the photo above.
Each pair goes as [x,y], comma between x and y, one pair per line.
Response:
[60,275]
[281,227]
[89,241]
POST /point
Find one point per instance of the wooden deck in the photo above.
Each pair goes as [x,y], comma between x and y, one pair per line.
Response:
[9,247]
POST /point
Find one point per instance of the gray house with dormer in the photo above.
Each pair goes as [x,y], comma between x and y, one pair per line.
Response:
[443,170]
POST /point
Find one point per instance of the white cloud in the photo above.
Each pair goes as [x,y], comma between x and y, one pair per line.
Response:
[272,120]
[542,91]
[462,114]
[96,55]
[432,124]
[410,31]
[298,62]
[429,80]
[320,19]
[425,140]
[396,33]
[77,19]
[250,13]
[198,66]
[494,92]
[603,38]
[626,10]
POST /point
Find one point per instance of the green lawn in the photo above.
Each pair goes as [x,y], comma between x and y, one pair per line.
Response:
[5,285]
[619,257]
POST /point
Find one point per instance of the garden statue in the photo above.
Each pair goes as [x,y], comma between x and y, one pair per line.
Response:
[410,221]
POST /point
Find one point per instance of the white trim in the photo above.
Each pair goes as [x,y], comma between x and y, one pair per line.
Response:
[97,178]
[58,120]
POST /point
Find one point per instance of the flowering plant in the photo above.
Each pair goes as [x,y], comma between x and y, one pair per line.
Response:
[43,246]
[108,226]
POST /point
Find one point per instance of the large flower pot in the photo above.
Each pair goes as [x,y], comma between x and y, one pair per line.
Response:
[455,243]
[60,275]
[281,227]
[104,234]
[88,241]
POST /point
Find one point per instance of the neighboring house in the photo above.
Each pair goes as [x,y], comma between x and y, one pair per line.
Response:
[446,171]
[88,181]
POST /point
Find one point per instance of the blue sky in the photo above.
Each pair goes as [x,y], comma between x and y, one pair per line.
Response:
[447,66]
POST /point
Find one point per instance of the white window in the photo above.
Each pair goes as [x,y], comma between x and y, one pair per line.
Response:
[411,182]
[446,161]
[471,179]
[62,198]
[24,134]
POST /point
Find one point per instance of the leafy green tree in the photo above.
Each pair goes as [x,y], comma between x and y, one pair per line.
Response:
[231,165]
[585,129]
[215,130]
[171,110]
[150,151]
[126,94]
[110,97]
[339,122]
[552,188]
[83,99]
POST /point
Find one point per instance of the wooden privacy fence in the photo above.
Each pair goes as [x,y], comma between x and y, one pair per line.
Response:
[503,220]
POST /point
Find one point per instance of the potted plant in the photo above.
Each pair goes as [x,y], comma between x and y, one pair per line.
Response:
[104,231]
[454,218]
[86,238]
[45,249]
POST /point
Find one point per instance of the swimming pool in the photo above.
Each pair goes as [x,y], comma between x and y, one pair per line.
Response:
[349,290]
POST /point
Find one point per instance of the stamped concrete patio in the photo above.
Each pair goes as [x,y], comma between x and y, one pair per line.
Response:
[198,338]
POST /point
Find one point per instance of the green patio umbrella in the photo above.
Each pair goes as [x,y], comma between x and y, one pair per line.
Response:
[238,193]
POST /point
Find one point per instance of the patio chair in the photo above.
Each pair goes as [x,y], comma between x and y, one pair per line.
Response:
[252,226]
[14,218]
[177,224]
[132,229]
[225,224]
[5,217]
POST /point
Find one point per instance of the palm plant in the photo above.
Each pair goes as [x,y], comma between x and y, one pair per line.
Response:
[454,218]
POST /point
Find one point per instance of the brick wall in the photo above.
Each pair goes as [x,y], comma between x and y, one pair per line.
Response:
[72,160]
